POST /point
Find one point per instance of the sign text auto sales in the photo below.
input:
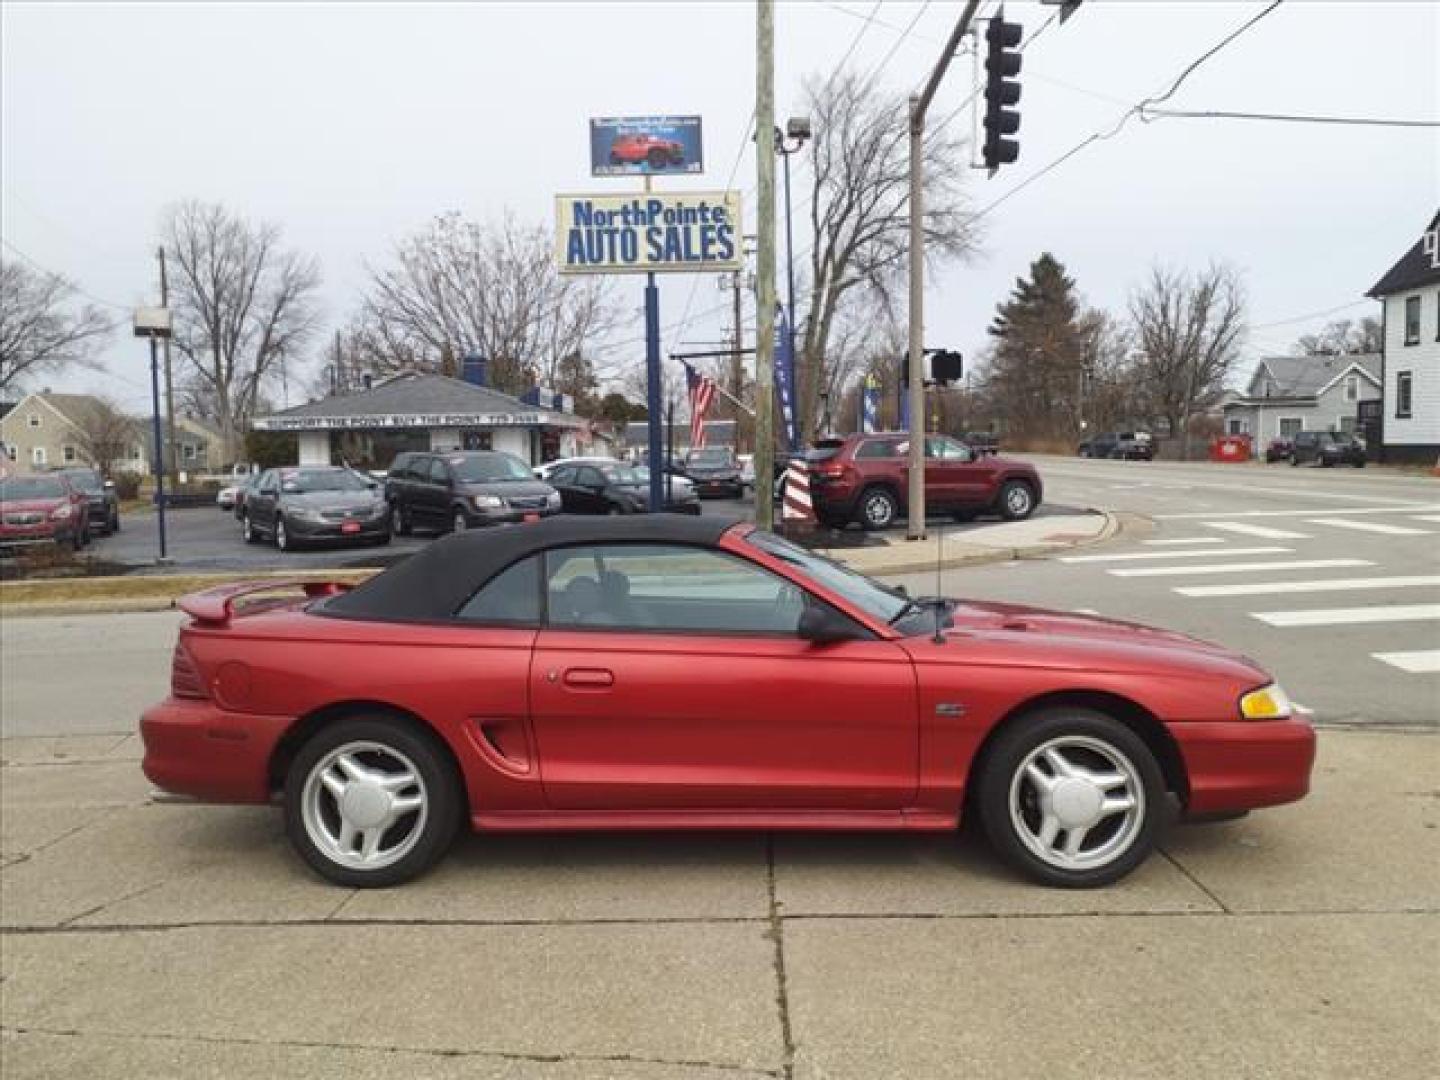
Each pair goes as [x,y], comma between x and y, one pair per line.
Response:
[612,234]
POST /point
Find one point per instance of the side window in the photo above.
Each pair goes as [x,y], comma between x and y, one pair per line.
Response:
[666,588]
[590,477]
[877,448]
[565,475]
[938,446]
[439,473]
[510,598]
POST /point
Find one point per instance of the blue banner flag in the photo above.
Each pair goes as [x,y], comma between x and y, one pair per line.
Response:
[869,404]
[785,378]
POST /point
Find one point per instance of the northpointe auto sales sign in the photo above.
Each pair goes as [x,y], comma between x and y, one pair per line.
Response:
[634,234]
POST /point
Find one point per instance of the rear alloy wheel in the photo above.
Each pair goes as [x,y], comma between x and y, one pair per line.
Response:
[247,531]
[370,803]
[1071,797]
[1017,500]
[878,509]
[399,522]
[459,523]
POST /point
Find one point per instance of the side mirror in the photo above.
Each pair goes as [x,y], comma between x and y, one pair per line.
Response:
[823,625]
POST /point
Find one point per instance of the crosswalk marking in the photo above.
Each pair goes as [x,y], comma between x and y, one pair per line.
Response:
[1416,662]
[1192,515]
[1264,532]
[1261,588]
[1369,526]
[1185,540]
[1129,555]
[1239,567]
[1350,616]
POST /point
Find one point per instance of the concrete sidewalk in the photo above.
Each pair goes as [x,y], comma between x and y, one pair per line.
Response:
[176,941]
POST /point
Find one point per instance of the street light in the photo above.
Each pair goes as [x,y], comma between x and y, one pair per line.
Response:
[787,142]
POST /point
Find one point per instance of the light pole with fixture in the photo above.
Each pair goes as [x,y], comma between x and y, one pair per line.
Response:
[154,323]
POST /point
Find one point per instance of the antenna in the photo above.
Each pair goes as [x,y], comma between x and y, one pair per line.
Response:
[939,637]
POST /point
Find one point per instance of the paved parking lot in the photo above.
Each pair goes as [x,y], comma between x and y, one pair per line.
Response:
[179,941]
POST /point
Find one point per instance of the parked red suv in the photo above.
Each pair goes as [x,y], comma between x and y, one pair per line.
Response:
[42,509]
[658,152]
[865,478]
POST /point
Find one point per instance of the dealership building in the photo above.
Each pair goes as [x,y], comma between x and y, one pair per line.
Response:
[432,412]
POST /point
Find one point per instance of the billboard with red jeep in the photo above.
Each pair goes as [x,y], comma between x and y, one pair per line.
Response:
[645,145]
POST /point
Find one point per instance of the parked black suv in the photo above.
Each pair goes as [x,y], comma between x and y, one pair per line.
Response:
[1121,445]
[102,503]
[463,490]
[714,471]
[1327,448]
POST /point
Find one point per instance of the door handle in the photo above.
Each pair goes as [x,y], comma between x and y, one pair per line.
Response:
[589,678]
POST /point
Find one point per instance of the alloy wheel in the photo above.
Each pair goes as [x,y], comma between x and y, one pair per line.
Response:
[460,524]
[1017,500]
[282,535]
[364,805]
[1077,803]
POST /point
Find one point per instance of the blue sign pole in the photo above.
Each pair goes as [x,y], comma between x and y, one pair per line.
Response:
[652,392]
[785,377]
[159,445]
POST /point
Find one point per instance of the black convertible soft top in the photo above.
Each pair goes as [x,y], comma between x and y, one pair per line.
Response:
[435,582]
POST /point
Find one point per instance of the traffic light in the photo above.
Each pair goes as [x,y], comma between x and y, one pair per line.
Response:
[947,366]
[1002,89]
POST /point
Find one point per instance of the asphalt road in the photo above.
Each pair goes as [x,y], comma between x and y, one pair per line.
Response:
[1330,578]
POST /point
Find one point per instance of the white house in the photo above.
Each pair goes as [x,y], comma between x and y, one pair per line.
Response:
[1409,296]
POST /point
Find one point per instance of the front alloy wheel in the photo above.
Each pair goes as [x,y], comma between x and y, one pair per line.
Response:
[370,803]
[399,524]
[282,535]
[878,509]
[1072,797]
[1017,501]
[460,522]
[247,531]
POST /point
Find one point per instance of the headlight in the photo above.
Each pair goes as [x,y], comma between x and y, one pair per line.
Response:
[488,502]
[1268,703]
[60,513]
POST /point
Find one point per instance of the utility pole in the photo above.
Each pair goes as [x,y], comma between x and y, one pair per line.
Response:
[919,103]
[169,384]
[765,301]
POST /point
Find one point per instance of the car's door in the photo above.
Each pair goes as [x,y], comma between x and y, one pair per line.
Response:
[953,475]
[590,490]
[435,492]
[562,479]
[261,504]
[673,678]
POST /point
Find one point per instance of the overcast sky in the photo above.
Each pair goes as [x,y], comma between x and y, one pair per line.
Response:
[350,125]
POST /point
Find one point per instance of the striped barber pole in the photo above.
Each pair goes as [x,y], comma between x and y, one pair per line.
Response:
[797,505]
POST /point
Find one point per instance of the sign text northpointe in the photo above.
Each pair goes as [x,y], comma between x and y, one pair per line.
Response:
[619,234]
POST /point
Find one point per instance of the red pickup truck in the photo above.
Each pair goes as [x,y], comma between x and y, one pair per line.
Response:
[659,153]
[865,478]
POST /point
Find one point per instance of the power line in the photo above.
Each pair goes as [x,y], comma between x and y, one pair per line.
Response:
[859,34]
[82,291]
[1147,114]
[1135,110]
[1311,315]
[895,46]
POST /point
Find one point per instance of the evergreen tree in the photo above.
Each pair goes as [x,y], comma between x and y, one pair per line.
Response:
[1038,354]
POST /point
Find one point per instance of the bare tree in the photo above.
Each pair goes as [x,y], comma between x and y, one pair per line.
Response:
[42,328]
[1188,327]
[1344,338]
[104,433]
[859,212]
[242,304]
[462,287]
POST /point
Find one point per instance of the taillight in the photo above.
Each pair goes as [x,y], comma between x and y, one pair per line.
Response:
[831,472]
[185,678]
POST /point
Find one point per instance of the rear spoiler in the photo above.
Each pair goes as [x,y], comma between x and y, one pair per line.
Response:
[217,606]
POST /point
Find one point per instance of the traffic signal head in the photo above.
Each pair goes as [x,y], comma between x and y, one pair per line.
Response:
[1002,90]
[947,366]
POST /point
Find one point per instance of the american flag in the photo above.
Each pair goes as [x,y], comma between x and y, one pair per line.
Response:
[702,394]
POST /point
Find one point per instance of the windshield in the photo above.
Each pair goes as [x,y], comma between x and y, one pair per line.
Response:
[489,468]
[85,480]
[714,457]
[31,487]
[870,596]
[308,481]
[623,474]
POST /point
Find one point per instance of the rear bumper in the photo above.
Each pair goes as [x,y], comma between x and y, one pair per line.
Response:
[1246,764]
[194,748]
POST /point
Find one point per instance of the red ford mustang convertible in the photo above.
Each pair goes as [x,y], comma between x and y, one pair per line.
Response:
[667,672]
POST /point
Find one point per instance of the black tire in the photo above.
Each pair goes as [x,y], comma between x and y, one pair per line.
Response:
[459,522]
[283,539]
[877,508]
[1294,459]
[382,540]
[438,784]
[1077,731]
[400,524]
[114,522]
[1016,500]
[247,530]
[77,539]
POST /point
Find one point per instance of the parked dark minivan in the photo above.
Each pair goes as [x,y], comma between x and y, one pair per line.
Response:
[463,490]
[1327,448]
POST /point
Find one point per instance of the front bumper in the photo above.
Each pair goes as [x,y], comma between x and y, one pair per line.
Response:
[30,535]
[718,485]
[1245,764]
[197,749]
[506,515]
[305,529]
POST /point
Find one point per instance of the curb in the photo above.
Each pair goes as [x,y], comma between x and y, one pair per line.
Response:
[1115,524]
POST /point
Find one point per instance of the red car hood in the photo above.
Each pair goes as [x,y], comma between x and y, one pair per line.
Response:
[1035,637]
